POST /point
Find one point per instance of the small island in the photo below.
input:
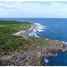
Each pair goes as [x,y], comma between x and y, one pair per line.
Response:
[24,50]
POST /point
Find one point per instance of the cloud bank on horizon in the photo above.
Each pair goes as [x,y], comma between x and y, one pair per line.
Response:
[37,9]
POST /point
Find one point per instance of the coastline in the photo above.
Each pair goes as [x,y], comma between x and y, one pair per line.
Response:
[34,53]
[22,33]
[27,33]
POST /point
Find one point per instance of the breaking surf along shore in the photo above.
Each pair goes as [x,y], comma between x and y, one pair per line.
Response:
[33,31]
[26,47]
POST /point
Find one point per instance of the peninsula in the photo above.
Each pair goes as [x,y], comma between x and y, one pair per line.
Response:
[16,49]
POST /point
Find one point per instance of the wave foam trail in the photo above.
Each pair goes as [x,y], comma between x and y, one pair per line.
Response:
[46,60]
[36,27]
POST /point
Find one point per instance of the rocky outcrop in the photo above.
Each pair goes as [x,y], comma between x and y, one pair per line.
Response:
[32,56]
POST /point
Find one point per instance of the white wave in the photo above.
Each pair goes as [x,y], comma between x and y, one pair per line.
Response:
[64,42]
[36,27]
[46,60]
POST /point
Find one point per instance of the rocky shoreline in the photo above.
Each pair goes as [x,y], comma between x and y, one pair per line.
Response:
[34,55]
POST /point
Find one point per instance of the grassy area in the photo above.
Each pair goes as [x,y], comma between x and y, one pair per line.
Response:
[38,41]
[11,43]
[7,28]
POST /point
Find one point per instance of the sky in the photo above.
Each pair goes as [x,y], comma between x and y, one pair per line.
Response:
[36,9]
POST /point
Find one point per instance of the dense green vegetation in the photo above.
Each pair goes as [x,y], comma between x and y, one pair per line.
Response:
[38,41]
[7,28]
[8,42]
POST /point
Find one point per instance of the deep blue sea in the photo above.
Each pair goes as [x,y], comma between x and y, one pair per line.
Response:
[57,60]
[56,28]
[51,28]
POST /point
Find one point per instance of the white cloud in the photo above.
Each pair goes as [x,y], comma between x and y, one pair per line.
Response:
[33,9]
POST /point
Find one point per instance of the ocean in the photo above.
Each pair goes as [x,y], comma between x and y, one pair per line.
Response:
[51,28]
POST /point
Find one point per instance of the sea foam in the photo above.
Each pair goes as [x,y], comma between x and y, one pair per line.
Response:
[33,31]
[36,27]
